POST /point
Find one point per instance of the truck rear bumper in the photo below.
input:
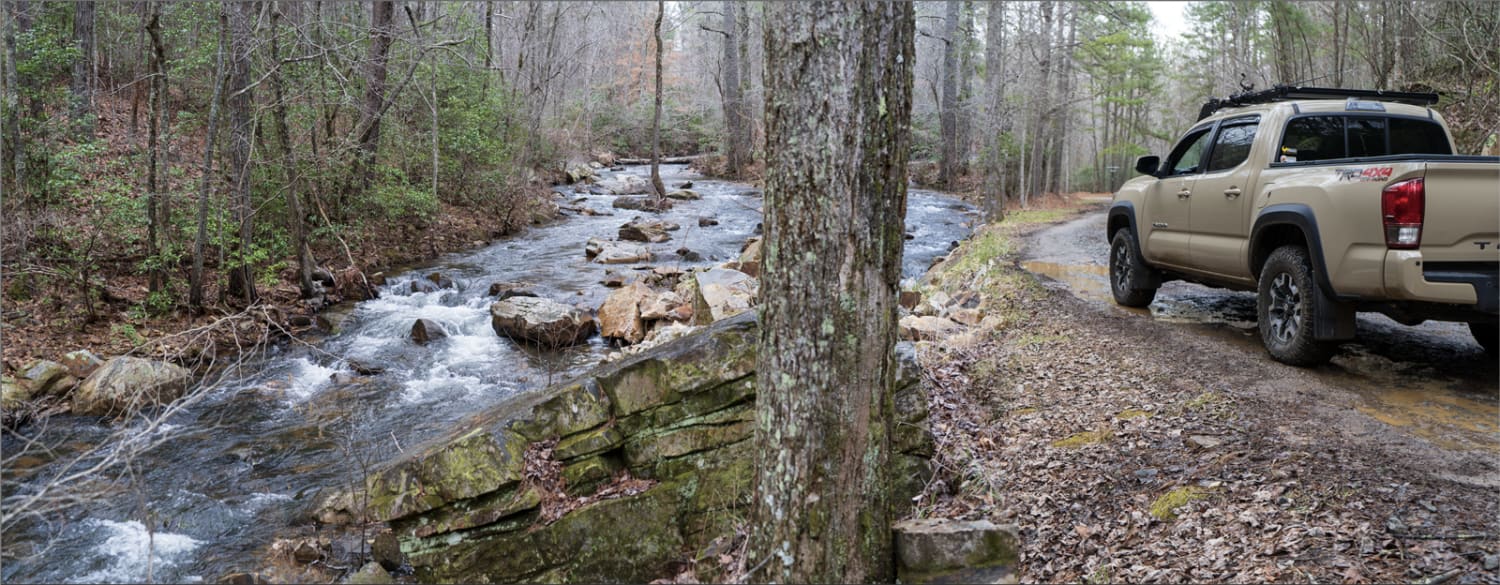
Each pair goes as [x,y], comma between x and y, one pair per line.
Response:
[1409,278]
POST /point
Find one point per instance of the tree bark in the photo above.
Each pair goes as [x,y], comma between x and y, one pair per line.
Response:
[242,273]
[734,101]
[382,14]
[156,276]
[295,215]
[661,191]
[82,83]
[948,109]
[195,287]
[996,158]
[838,112]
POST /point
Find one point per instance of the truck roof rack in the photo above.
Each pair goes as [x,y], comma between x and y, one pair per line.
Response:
[1288,92]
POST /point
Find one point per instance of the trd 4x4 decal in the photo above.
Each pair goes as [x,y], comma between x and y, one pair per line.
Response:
[1365,174]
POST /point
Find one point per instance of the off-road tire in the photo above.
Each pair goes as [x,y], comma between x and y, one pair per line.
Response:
[1129,279]
[1286,309]
[1488,336]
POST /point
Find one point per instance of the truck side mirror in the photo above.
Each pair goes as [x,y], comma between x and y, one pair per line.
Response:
[1147,165]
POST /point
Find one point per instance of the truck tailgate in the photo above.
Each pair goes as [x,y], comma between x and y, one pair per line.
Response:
[1462,222]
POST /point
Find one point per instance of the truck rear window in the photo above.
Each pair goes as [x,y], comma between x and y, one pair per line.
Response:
[1313,138]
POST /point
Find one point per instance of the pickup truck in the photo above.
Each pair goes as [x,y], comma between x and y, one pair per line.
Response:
[1325,203]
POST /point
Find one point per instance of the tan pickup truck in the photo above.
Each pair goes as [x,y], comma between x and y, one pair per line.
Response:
[1324,202]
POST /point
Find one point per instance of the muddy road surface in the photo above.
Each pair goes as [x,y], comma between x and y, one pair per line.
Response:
[1431,383]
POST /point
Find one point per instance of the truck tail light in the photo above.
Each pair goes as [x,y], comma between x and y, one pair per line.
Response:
[1402,205]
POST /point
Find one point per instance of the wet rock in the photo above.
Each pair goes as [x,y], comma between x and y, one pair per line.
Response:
[49,378]
[646,230]
[707,220]
[127,384]
[542,321]
[377,279]
[721,293]
[498,289]
[909,299]
[627,185]
[605,159]
[371,574]
[750,257]
[1204,442]
[613,280]
[910,236]
[948,551]
[651,204]
[758,228]
[81,363]
[323,276]
[364,369]
[684,195]
[605,252]
[299,320]
[441,280]
[386,550]
[689,255]
[422,285]
[425,330]
[620,315]
[683,185]
[926,328]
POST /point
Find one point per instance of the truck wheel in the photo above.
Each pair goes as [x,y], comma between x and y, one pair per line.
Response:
[1488,336]
[1285,309]
[1128,276]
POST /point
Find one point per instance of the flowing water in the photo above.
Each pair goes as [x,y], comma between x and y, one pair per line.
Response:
[236,466]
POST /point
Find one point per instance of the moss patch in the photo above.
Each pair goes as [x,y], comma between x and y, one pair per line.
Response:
[1084,439]
[1165,507]
[1133,413]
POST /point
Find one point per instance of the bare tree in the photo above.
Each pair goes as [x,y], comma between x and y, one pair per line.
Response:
[200,242]
[735,122]
[82,86]
[155,206]
[948,111]
[661,190]
[838,113]
[241,93]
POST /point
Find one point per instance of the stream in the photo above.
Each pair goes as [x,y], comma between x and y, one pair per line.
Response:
[237,465]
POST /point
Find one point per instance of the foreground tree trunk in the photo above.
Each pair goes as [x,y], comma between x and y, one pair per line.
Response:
[295,215]
[661,190]
[155,212]
[838,111]
[382,16]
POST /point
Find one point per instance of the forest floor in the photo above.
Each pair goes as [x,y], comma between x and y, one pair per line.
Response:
[1126,448]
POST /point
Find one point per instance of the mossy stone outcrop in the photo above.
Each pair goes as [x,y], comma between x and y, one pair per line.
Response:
[680,415]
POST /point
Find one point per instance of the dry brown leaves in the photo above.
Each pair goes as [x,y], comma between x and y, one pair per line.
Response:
[1072,431]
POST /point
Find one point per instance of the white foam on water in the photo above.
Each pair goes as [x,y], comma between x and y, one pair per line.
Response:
[130,548]
[440,384]
[306,378]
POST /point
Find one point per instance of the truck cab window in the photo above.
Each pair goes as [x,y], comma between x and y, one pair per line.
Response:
[1232,146]
[1366,136]
[1410,136]
[1312,138]
[1186,157]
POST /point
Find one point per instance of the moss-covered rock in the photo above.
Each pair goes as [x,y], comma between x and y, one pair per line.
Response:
[588,443]
[622,540]
[583,476]
[575,407]
[476,463]
[127,384]
[947,551]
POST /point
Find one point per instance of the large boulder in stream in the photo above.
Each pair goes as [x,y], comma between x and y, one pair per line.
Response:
[626,185]
[605,252]
[47,377]
[125,385]
[651,204]
[679,417]
[542,321]
[647,230]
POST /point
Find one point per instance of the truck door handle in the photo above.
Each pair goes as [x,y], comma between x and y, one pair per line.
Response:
[1184,194]
[1232,192]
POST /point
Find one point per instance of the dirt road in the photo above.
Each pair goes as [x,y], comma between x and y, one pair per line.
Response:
[1165,445]
[1432,381]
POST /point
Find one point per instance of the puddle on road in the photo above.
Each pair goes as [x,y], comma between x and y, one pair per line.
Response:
[1452,402]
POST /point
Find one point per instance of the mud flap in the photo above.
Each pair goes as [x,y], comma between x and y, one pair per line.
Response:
[1335,320]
